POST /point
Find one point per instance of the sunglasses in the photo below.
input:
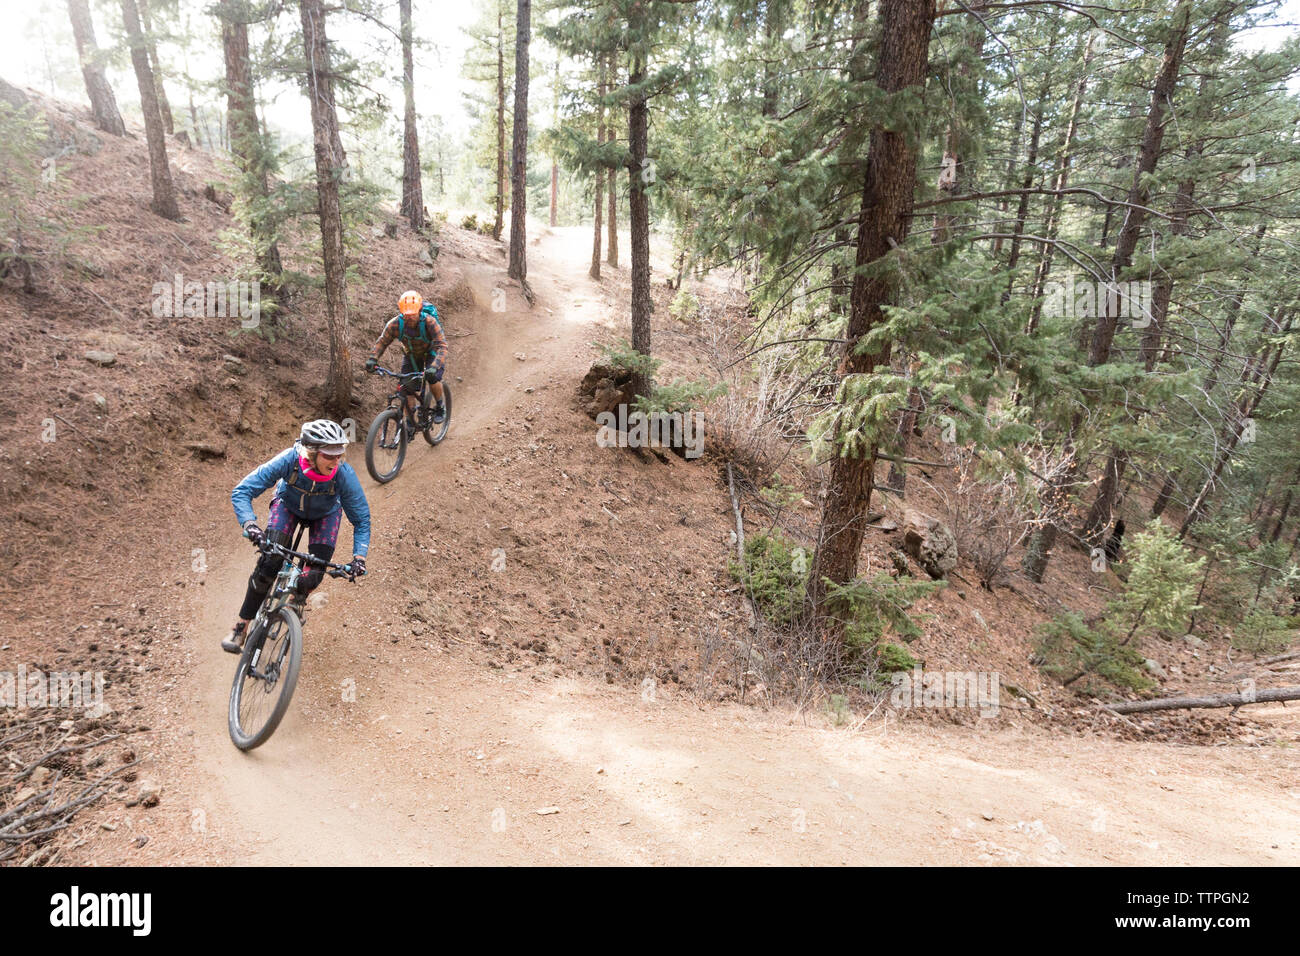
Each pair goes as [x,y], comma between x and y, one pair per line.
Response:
[328,457]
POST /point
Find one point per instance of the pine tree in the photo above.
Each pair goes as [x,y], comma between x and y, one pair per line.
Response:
[103,105]
[883,223]
[518,265]
[164,193]
[151,43]
[252,154]
[412,194]
[329,164]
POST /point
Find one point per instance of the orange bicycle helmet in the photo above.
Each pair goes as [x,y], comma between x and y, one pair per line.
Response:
[410,303]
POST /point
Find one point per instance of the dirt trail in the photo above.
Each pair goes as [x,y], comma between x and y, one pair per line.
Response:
[440,760]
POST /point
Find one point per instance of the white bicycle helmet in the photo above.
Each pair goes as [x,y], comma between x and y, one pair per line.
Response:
[323,433]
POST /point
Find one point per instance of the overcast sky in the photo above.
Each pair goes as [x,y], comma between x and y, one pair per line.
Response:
[36,45]
[36,50]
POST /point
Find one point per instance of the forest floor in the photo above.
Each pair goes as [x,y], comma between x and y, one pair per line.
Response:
[577,705]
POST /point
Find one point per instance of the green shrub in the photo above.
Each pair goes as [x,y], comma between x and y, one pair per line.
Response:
[891,658]
[684,306]
[1161,588]
[837,708]
[1071,649]
[622,356]
[22,133]
[775,575]
[872,609]
[1158,597]
[1263,632]
[470,222]
[679,396]
[779,494]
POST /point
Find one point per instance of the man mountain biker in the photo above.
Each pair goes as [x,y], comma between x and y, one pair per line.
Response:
[417,329]
[315,486]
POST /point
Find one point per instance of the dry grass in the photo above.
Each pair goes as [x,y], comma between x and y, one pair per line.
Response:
[988,517]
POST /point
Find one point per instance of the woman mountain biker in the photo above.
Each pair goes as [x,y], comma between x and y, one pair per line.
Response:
[315,486]
[417,330]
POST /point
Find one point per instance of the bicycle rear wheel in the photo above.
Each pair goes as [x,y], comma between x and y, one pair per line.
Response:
[434,433]
[265,680]
[386,445]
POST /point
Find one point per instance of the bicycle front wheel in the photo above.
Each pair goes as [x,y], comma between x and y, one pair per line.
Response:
[436,432]
[386,445]
[265,680]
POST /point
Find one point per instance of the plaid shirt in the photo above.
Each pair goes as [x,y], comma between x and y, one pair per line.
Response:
[411,343]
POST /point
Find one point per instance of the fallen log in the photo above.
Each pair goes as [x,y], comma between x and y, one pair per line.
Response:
[1216,700]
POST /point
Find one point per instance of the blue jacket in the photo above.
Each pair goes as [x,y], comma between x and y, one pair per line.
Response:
[274,472]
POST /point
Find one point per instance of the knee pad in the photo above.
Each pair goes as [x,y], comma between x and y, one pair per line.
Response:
[313,576]
[268,565]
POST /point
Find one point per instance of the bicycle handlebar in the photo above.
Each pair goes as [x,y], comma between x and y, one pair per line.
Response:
[333,570]
[380,370]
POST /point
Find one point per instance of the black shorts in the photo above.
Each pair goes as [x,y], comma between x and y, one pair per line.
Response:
[432,373]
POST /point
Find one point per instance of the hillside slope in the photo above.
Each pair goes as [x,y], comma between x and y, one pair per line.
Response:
[585,676]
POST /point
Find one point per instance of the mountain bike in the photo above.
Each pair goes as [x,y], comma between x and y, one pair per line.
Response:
[386,440]
[268,666]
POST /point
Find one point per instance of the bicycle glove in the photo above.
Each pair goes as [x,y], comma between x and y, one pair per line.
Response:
[371,362]
[254,533]
[358,566]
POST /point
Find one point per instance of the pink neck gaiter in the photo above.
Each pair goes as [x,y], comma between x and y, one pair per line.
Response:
[313,474]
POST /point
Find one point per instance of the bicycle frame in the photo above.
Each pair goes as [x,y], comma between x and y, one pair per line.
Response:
[397,398]
[285,582]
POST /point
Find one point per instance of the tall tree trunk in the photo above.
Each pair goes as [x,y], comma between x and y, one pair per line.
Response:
[611,220]
[1169,485]
[164,107]
[953,181]
[555,167]
[1164,495]
[953,174]
[1061,180]
[247,144]
[1256,379]
[194,122]
[883,220]
[611,224]
[594,271]
[639,177]
[1031,167]
[324,122]
[1139,192]
[1230,320]
[1103,334]
[1103,506]
[164,193]
[499,223]
[906,424]
[103,105]
[773,27]
[1286,508]
[518,268]
[412,193]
